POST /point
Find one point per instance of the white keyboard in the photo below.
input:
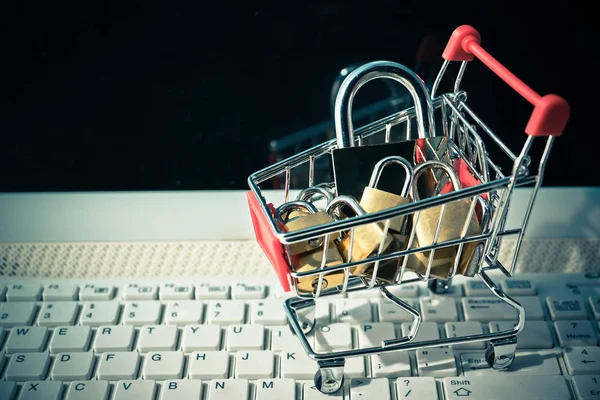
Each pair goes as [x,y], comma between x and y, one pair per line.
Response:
[228,339]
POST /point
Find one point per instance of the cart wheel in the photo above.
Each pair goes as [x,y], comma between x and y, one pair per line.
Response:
[500,361]
[329,386]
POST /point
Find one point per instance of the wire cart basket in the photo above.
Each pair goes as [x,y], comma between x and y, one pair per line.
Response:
[488,194]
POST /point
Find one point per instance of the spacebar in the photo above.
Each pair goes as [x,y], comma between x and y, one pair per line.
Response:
[501,387]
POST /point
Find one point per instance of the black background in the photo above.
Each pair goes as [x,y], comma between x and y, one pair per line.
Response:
[121,95]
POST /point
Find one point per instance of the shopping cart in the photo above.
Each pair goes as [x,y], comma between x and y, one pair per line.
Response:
[467,136]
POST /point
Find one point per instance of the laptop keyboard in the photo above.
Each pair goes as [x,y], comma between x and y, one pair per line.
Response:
[228,339]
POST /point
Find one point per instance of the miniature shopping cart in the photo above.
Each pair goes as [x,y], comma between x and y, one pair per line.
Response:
[467,136]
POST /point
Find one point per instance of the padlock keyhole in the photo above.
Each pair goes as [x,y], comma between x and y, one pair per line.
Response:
[315,283]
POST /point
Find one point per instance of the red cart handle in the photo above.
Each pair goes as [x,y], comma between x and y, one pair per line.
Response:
[550,113]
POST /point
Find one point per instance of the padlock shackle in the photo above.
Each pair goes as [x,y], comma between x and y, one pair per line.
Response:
[308,193]
[344,130]
[345,200]
[295,204]
[378,169]
[433,164]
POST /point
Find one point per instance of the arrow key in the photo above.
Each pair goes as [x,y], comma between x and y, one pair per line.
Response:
[582,360]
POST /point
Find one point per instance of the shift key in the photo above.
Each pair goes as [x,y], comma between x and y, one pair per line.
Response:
[502,387]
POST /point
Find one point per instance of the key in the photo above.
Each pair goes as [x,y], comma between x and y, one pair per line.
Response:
[226,312]
[17,314]
[513,387]
[390,312]
[73,366]
[163,365]
[333,337]
[56,314]
[311,393]
[184,312]
[118,365]
[157,338]
[566,307]
[455,290]
[179,389]
[201,338]
[322,312]
[212,292]
[283,338]
[389,365]
[369,388]
[208,365]
[296,364]
[134,291]
[245,337]
[268,312]
[427,331]
[436,361]
[438,309]
[576,333]
[477,288]
[26,340]
[373,335]
[595,305]
[518,287]
[129,390]
[86,390]
[91,292]
[582,360]
[46,390]
[493,309]
[353,311]
[461,329]
[113,338]
[142,313]
[534,335]
[373,293]
[228,389]
[102,313]
[243,291]
[403,291]
[542,362]
[416,388]
[172,291]
[8,390]
[254,364]
[24,292]
[27,367]
[586,386]
[275,389]
[60,292]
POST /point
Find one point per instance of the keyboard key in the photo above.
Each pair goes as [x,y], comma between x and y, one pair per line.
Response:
[93,292]
[113,338]
[355,367]
[595,305]
[416,388]
[245,337]
[476,288]
[566,307]
[518,287]
[134,291]
[226,312]
[333,337]
[86,390]
[101,313]
[179,389]
[24,292]
[486,309]
[390,365]
[17,314]
[244,291]
[296,364]
[184,312]
[212,292]
[576,333]
[228,389]
[26,340]
[284,338]
[163,365]
[438,309]
[462,329]
[427,331]
[373,335]
[436,361]
[455,290]
[373,293]
[390,312]
[157,338]
[142,313]
[128,390]
[353,311]
[526,363]
[587,386]
[406,290]
[310,392]
[8,390]
[118,365]
[60,292]
[172,291]
[582,360]
[41,390]
[275,389]
[369,388]
[73,366]
[268,312]
[254,364]
[534,335]
[201,338]
[57,314]
[27,367]
[513,386]
[70,338]
[208,365]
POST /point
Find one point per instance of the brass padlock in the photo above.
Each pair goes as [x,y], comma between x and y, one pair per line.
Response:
[374,199]
[457,221]
[297,215]
[312,260]
[367,240]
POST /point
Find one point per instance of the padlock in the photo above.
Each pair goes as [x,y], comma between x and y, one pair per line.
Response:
[367,238]
[374,199]
[306,195]
[312,260]
[352,165]
[453,222]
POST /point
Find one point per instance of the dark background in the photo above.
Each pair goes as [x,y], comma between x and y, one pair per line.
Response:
[121,95]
